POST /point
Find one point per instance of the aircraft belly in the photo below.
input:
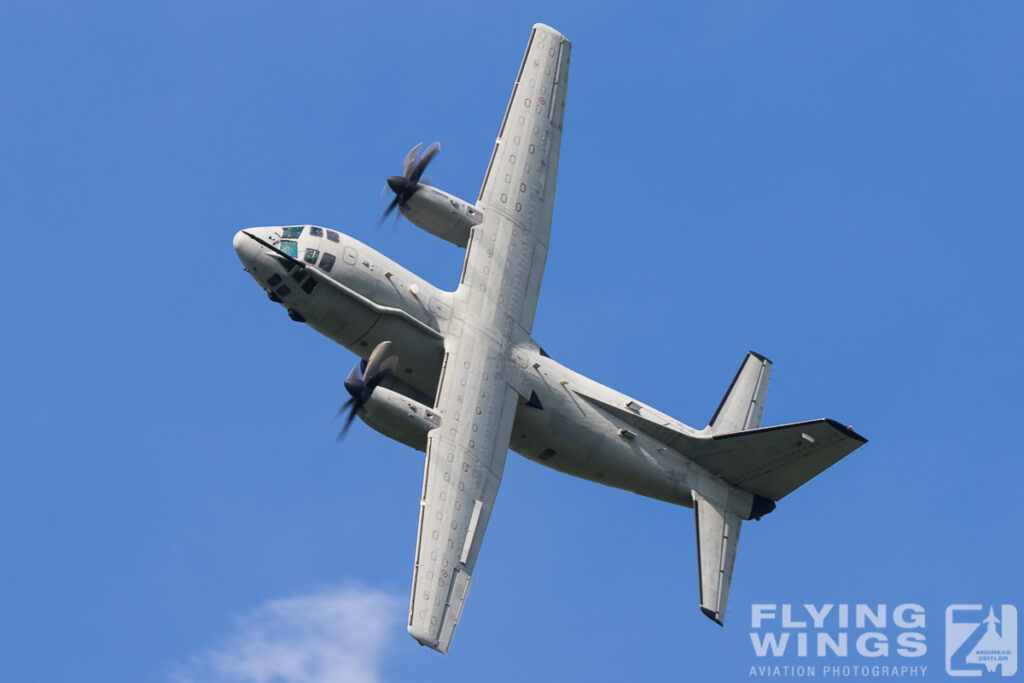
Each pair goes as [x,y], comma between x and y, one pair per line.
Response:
[584,443]
[588,447]
[339,319]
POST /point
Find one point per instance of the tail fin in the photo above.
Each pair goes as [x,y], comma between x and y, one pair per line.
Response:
[743,403]
[769,462]
[718,535]
[762,463]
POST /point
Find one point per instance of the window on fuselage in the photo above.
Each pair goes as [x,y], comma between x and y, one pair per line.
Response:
[315,231]
[309,285]
[290,248]
[311,255]
[332,236]
[327,262]
[292,232]
[274,280]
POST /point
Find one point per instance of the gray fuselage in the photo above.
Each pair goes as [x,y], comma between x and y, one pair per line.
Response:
[556,424]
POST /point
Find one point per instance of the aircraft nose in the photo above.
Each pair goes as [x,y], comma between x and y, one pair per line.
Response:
[246,247]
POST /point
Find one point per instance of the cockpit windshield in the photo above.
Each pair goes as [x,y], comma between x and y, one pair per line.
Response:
[289,245]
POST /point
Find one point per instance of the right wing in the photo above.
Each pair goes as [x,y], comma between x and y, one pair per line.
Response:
[518,192]
[492,311]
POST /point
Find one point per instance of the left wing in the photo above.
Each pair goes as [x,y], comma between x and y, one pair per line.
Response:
[464,462]
[492,313]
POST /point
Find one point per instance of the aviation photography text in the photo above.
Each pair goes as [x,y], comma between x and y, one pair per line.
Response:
[838,640]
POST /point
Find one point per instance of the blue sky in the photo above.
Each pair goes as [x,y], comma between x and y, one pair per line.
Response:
[835,185]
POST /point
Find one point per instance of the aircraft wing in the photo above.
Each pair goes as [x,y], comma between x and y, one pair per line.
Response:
[464,463]
[492,314]
[518,192]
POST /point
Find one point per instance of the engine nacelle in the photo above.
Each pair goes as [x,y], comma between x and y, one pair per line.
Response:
[399,417]
[441,214]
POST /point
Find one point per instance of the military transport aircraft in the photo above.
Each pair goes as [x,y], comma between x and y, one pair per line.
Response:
[459,376]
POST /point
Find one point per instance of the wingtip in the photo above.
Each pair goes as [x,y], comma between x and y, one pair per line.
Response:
[548,29]
[712,615]
[426,640]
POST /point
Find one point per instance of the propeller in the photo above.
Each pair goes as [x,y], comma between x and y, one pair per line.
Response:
[364,379]
[405,186]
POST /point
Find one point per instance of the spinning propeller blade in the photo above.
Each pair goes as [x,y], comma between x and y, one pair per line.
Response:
[405,186]
[363,379]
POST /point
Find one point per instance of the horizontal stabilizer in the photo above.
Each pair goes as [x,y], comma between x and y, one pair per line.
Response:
[768,461]
[743,403]
[773,461]
[718,535]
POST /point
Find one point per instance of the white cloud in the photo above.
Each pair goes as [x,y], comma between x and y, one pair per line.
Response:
[336,635]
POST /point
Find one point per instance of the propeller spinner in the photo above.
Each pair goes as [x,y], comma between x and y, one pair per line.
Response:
[360,386]
[405,186]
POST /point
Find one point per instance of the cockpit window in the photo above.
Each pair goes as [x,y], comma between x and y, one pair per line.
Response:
[315,231]
[332,236]
[311,255]
[292,232]
[327,262]
[290,248]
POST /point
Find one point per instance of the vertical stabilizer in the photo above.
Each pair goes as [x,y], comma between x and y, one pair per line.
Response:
[743,403]
[718,535]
